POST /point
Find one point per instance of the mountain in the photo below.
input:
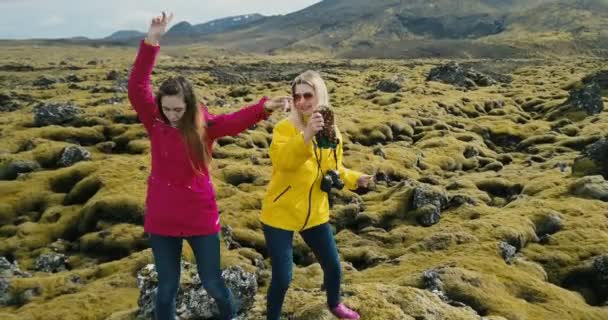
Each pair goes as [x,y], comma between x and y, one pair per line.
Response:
[426,28]
[125,34]
[185,29]
[226,24]
[412,28]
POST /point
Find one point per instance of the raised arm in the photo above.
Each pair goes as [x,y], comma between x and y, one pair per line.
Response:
[231,124]
[139,88]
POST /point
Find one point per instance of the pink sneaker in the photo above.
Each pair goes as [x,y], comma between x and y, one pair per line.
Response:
[343,312]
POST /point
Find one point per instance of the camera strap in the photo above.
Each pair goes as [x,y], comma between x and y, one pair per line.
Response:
[313,183]
[336,155]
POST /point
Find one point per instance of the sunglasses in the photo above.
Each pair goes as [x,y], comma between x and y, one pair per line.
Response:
[306,96]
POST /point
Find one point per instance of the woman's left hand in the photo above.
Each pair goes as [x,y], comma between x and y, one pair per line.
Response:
[363,181]
[273,104]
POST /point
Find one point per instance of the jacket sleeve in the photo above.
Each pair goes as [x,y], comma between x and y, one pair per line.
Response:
[288,151]
[349,177]
[139,88]
[231,124]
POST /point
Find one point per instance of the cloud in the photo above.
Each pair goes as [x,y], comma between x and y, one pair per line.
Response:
[68,18]
[52,21]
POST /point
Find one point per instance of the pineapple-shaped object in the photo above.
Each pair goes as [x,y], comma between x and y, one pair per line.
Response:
[326,138]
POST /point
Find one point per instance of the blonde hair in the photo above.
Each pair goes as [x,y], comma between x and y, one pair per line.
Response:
[313,79]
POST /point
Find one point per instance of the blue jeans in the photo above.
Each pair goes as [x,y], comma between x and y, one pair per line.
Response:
[279,243]
[167,258]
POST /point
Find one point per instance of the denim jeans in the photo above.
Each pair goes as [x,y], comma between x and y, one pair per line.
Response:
[167,258]
[279,243]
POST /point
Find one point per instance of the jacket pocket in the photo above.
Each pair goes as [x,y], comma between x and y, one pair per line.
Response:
[281,194]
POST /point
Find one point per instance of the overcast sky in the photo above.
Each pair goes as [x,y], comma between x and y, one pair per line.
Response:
[22,19]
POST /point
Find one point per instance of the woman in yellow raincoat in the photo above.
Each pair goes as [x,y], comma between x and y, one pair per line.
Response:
[295,200]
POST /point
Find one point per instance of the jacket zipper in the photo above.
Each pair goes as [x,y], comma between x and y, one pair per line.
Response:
[281,194]
[310,199]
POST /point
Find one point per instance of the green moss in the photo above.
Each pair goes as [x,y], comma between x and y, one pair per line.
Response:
[237,175]
[585,167]
[139,146]
[133,133]
[372,135]
[116,242]
[84,136]
[48,153]
[65,179]
[260,139]
[111,209]
[424,133]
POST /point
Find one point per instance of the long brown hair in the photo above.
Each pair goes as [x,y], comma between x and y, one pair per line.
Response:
[191,124]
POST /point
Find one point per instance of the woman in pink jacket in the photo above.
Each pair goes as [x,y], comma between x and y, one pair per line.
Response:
[180,201]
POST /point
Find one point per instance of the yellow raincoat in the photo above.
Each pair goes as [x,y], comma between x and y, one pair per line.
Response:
[294,199]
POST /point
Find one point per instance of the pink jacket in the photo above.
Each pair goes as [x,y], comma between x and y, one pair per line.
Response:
[179,202]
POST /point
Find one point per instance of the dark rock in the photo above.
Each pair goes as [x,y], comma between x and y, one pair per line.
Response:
[7,104]
[432,281]
[51,262]
[507,251]
[457,75]
[594,187]
[72,155]
[593,160]
[587,99]
[9,270]
[44,81]
[470,152]
[17,67]
[73,78]
[106,147]
[590,279]
[54,113]
[113,75]
[600,77]
[428,201]
[225,77]
[600,266]
[390,85]
[425,194]
[548,224]
[228,239]
[428,215]
[193,302]
[13,169]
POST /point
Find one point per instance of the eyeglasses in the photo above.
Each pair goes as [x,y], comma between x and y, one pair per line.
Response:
[306,96]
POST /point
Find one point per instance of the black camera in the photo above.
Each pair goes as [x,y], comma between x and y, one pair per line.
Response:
[331,179]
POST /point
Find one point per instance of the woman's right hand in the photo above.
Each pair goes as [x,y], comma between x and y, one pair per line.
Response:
[158,27]
[314,125]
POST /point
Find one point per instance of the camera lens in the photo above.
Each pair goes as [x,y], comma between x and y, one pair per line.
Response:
[326,183]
